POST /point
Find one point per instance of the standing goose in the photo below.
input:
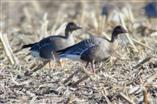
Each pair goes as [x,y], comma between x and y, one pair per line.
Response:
[45,47]
[92,50]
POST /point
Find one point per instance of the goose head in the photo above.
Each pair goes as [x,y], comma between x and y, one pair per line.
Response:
[71,26]
[116,31]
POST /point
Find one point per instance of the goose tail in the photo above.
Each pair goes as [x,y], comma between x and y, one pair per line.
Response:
[27,46]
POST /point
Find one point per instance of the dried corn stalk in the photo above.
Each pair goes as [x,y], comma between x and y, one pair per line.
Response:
[127,35]
[7,48]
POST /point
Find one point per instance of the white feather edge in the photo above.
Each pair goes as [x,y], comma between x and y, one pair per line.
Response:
[35,54]
[72,57]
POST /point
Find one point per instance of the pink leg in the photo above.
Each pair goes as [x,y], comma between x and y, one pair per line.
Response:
[92,66]
[87,64]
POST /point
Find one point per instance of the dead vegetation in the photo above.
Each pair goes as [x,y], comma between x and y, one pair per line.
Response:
[129,77]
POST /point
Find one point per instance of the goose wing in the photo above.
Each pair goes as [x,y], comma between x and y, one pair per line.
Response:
[78,49]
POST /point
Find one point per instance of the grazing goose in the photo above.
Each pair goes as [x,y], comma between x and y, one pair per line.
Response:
[92,50]
[45,47]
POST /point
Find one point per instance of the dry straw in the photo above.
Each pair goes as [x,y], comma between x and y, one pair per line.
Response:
[129,79]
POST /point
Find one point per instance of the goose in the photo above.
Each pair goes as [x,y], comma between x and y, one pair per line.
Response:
[44,48]
[92,50]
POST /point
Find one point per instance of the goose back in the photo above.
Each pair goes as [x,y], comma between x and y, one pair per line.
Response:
[88,49]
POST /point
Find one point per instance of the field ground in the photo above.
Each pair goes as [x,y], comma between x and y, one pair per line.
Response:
[127,78]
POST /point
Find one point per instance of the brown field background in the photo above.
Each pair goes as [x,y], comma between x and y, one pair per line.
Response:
[127,78]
